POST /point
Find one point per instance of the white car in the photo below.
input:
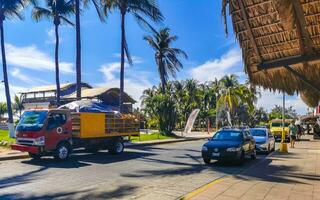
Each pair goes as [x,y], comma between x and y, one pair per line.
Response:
[265,141]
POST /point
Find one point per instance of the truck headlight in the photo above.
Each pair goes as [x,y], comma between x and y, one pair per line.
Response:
[40,141]
[233,149]
[204,148]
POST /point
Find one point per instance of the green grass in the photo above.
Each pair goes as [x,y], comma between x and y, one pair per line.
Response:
[147,137]
[4,136]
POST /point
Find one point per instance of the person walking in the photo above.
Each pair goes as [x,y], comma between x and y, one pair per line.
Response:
[293,134]
[299,128]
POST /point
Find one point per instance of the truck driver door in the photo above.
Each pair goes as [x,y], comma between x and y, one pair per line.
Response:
[57,130]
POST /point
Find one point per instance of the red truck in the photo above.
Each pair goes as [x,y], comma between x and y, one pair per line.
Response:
[57,132]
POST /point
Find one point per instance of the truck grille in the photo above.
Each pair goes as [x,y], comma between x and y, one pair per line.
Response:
[25,142]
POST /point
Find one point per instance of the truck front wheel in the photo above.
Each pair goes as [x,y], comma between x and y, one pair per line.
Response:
[117,148]
[62,152]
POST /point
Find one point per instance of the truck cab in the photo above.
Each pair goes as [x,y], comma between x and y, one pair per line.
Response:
[41,132]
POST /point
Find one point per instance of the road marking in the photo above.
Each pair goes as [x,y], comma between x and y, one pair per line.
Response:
[206,186]
[202,188]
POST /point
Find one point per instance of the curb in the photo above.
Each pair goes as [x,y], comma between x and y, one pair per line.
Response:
[13,157]
[218,180]
[163,142]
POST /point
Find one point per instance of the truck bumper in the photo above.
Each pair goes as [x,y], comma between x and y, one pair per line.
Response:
[24,148]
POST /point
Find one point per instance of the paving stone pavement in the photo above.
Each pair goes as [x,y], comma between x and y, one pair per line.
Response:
[291,176]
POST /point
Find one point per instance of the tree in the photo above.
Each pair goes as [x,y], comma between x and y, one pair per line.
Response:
[58,11]
[276,113]
[8,9]
[78,41]
[3,109]
[18,105]
[166,56]
[138,9]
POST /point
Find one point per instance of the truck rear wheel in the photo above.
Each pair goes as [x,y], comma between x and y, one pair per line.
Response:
[62,152]
[35,156]
[117,148]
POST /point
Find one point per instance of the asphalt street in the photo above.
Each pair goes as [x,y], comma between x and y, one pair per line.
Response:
[166,171]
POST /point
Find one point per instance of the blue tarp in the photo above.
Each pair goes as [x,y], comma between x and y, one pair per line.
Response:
[89,106]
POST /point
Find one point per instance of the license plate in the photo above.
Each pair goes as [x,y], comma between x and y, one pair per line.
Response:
[216,154]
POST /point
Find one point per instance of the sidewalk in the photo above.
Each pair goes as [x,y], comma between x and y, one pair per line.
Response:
[291,176]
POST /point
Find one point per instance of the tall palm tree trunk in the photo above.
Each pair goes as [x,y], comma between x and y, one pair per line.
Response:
[123,40]
[6,81]
[161,71]
[78,56]
[57,63]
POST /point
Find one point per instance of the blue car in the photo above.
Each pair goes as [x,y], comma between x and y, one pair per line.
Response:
[229,144]
[265,141]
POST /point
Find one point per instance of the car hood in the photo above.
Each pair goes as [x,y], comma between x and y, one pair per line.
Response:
[222,144]
[259,139]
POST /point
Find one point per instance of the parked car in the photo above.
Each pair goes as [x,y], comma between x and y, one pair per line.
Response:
[265,141]
[229,144]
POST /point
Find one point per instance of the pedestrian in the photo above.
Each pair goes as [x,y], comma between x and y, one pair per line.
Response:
[299,128]
[316,130]
[293,134]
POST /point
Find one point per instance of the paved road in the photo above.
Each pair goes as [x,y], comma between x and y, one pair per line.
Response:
[155,172]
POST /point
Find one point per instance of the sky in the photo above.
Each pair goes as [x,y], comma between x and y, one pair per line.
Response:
[197,23]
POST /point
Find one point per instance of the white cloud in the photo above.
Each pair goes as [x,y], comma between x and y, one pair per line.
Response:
[109,69]
[31,57]
[219,67]
[16,73]
[135,82]
[269,99]
[51,37]
[14,90]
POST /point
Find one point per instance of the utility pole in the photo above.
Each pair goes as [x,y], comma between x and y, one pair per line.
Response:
[283,145]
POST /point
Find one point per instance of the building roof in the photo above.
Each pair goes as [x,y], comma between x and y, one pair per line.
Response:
[275,33]
[52,88]
[103,93]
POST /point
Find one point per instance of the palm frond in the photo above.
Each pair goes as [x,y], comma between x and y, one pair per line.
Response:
[39,13]
[67,21]
[126,48]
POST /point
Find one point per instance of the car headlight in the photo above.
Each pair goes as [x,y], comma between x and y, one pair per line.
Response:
[204,148]
[40,141]
[233,149]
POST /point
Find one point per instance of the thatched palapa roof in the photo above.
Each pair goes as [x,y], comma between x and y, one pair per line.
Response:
[280,42]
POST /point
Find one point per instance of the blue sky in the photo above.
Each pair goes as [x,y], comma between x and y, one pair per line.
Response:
[197,23]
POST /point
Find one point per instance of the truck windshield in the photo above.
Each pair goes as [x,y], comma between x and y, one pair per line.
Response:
[32,121]
[279,124]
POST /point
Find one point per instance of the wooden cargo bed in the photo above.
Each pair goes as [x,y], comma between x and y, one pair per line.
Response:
[96,125]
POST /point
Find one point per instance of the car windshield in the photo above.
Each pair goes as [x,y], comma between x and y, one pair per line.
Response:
[32,121]
[279,124]
[258,133]
[227,135]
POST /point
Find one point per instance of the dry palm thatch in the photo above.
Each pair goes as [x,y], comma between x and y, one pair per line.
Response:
[273,30]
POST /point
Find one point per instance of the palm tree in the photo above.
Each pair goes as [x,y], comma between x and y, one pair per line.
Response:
[18,105]
[3,109]
[78,41]
[8,9]
[138,9]
[166,56]
[58,11]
